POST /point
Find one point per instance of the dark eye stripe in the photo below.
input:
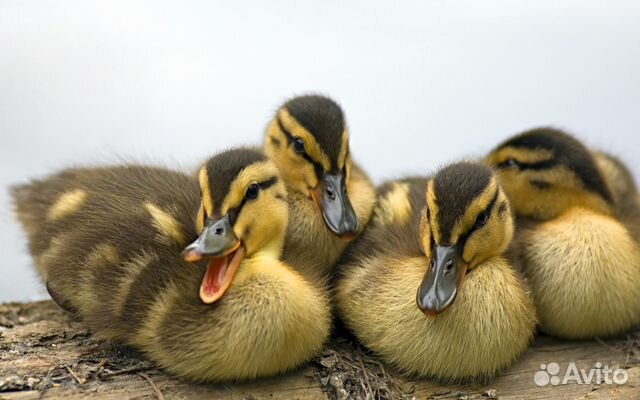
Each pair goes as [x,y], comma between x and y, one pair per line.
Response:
[285,131]
[462,242]
[319,170]
[268,183]
[540,184]
[547,164]
[503,207]
[234,212]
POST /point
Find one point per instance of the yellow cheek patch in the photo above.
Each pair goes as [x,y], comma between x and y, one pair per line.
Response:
[425,234]
[254,173]
[475,208]
[559,177]
[168,227]
[296,172]
[67,204]
[395,207]
[344,150]
[207,195]
[495,237]
[435,212]
[480,247]
[526,156]
[311,145]
[262,223]
[565,191]
[348,168]
[275,137]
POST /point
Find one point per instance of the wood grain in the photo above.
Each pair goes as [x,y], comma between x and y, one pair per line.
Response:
[44,354]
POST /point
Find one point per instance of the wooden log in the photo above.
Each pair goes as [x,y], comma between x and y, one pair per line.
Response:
[45,354]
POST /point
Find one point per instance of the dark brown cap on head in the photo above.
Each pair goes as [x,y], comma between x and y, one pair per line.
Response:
[224,168]
[567,151]
[323,118]
[455,187]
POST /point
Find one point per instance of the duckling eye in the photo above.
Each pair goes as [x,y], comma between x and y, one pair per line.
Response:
[508,163]
[252,191]
[482,219]
[298,146]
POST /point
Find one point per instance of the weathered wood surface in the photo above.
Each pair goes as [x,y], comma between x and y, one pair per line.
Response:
[44,354]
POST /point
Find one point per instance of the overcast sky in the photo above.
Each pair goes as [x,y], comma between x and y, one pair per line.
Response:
[422,82]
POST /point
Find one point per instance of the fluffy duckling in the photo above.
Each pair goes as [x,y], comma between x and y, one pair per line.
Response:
[426,286]
[577,237]
[193,280]
[330,197]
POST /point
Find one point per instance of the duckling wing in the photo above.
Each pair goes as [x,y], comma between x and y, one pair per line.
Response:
[56,204]
[81,215]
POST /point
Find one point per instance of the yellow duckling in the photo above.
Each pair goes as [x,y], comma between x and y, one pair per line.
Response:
[577,236]
[426,285]
[330,197]
[109,244]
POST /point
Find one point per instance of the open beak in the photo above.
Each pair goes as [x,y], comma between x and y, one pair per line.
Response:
[333,200]
[442,281]
[218,242]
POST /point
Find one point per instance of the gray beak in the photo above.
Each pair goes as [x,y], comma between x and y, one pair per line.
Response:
[216,240]
[439,287]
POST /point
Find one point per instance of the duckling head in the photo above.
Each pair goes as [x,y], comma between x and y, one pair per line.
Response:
[466,221]
[243,213]
[309,142]
[545,171]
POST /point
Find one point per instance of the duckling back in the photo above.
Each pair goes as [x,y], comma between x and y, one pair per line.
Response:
[108,244]
[91,204]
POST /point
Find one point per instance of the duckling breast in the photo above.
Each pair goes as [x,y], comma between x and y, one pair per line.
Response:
[490,323]
[269,321]
[310,245]
[584,271]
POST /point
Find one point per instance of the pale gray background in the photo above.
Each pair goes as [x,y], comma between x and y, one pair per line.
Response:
[422,82]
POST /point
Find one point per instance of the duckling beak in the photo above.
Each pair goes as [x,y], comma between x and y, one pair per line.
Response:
[440,285]
[333,200]
[219,242]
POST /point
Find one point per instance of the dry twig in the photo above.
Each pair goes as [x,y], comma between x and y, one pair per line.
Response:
[153,385]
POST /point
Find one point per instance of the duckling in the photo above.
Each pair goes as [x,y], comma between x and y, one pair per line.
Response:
[426,286]
[330,197]
[194,281]
[578,230]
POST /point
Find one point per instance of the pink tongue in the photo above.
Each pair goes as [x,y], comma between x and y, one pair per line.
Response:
[214,278]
